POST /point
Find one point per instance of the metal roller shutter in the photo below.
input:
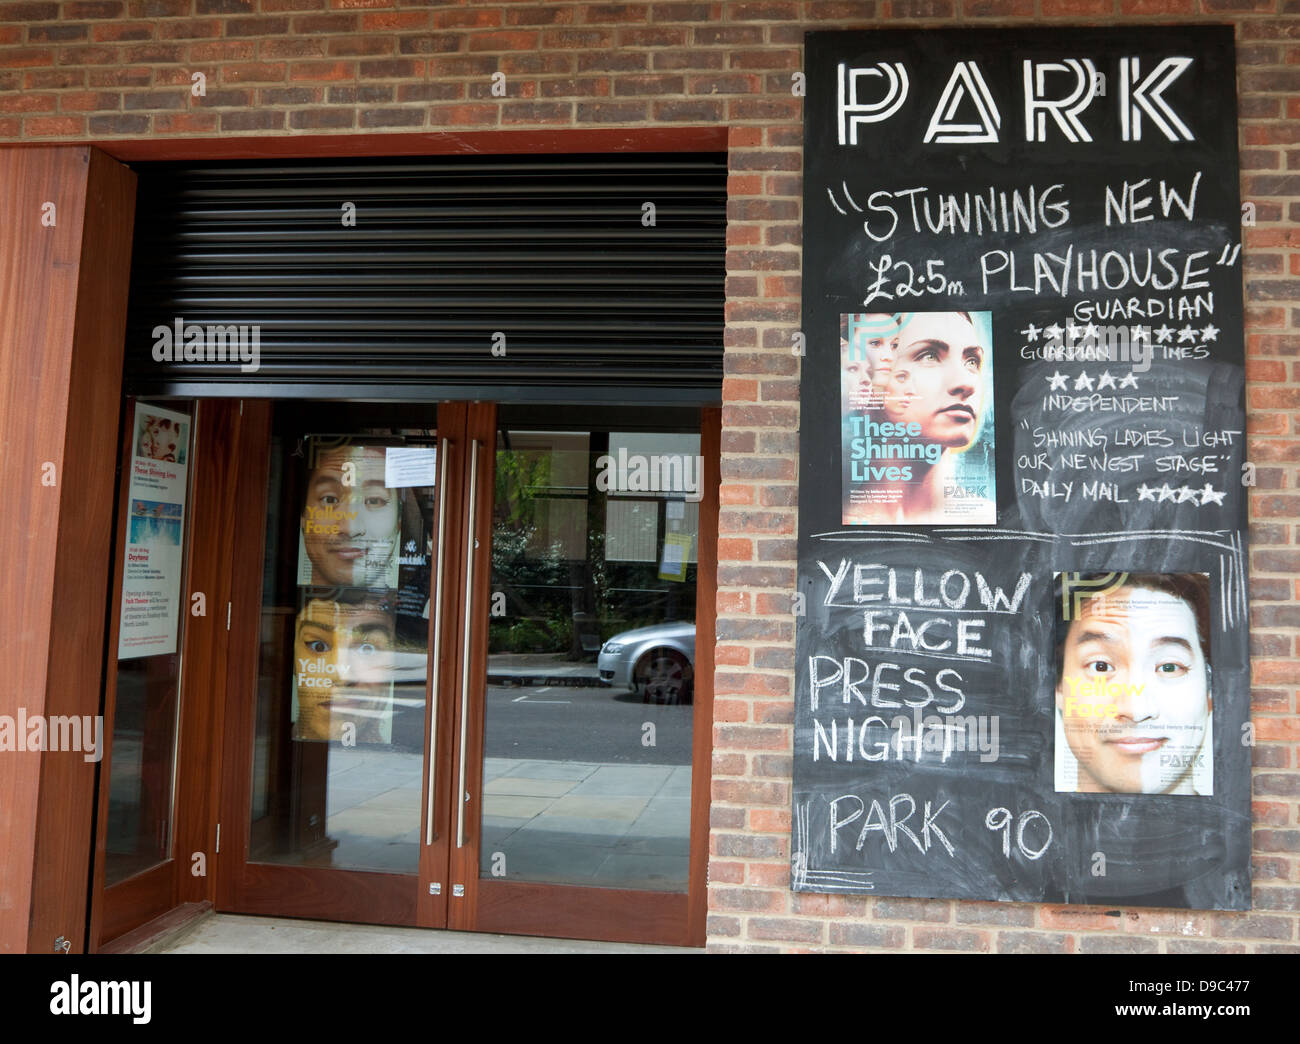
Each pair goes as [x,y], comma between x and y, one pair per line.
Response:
[594,303]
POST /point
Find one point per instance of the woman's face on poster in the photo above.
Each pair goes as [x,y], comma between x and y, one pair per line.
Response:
[865,363]
[343,663]
[1134,692]
[351,523]
[937,378]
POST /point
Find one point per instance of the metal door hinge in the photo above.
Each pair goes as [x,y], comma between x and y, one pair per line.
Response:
[435,888]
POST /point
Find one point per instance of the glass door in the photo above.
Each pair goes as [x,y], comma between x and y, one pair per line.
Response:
[474,673]
[335,817]
[582,808]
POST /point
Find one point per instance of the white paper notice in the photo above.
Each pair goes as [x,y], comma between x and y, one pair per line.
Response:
[155,536]
[410,466]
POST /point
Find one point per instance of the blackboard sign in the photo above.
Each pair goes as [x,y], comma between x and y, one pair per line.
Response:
[1022,651]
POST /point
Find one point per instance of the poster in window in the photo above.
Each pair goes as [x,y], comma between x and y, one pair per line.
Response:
[154,556]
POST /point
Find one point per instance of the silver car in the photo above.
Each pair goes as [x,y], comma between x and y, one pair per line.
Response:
[657,662]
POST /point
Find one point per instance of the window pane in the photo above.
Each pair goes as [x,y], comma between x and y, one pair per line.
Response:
[587,757]
[341,701]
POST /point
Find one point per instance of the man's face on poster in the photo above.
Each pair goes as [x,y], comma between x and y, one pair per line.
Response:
[351,523]
[1134,692]
[937,378]
[343,664]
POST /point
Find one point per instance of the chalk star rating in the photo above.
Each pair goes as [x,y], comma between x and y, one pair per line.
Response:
[1164,334]
[1059,381]
[1053,333]
[1186,334]
[1209,333]
[1208,495]
[1031,333]
[1140,333]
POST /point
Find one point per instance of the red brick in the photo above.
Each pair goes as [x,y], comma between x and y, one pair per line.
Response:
[785,929]
[33,103]
[1071,8]
[91,9]
[254,72]
[25,58]
[749,900]
[925,8]
[54,126]
[867,936]
[116,32]
[322,71]
[770,820]
[503,41]
[88,101]
[185,123]
[256,120]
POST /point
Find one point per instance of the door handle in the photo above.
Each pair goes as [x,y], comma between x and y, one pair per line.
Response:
[469,618]
[437,649]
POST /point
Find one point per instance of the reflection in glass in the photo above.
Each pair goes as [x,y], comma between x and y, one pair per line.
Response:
[138,830]
[587,751]
[340,717]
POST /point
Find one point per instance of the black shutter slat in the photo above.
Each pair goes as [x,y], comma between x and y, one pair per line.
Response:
[446,251]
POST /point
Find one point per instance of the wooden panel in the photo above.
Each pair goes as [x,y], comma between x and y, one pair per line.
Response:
[432,909]
[238,693]
[62,313]
[135,901]
[171,923]
[706,628]
[210,544]
[480,425]
[213,507]
[130,901]
[501,143]
[572,912]
[328,894]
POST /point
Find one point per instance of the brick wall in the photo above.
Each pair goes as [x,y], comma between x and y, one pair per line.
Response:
[97,69]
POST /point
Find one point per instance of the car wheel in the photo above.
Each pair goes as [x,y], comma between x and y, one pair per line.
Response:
[664,676]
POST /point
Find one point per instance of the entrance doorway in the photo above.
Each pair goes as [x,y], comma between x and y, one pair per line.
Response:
[481,697]
[467,689]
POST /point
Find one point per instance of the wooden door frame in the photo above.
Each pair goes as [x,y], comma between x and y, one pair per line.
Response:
[607,914]
[197,811]
[287,890]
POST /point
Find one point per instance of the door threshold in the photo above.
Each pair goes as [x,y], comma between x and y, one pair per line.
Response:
[244,933]
[163,930]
